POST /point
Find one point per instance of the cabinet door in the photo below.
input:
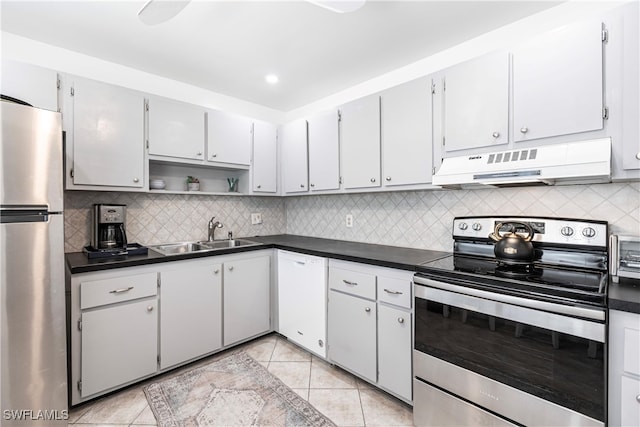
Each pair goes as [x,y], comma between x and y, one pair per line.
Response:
[176,129]
[302,300]
[264,158]
[246,298]
[228,138]
[108,135]
[406,133]
[557,83]
[629,404]
[294,157]
[29,83]
[394,350]
[324,152]
[476,103]
[119,345]
[352,333]
[360,142]
[190,313]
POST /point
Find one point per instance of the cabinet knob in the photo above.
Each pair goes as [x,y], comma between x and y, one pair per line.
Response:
[301,185]
[231,268]
[259,186]
[495,134]
[136,180]
[388,178]
[216,271]
[638,156]
[199,153]
[638,398]
[313,185]
[373,180]
[150,308]
[524,129]
[213,156]
[368,309]
[400,319]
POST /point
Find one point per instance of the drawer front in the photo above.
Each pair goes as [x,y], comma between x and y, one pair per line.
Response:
[395,291]
[353,282]
[632,351]
[95,293]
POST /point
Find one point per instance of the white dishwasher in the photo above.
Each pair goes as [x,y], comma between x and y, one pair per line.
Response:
[302,300]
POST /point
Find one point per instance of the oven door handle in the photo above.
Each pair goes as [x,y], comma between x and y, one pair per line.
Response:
[555,317]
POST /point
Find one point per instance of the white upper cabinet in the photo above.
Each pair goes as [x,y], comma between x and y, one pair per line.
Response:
[34,85]
[557,83]
[360,143]
[407,155]
[324,151]
[228,138]
[476,103]
[265,178]
[294,157]
[107,135]
[176,129]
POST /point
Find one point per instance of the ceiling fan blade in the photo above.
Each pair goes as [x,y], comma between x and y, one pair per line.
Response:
[158,11]
[339,6]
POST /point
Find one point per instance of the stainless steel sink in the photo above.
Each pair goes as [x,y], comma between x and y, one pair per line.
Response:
[190,247]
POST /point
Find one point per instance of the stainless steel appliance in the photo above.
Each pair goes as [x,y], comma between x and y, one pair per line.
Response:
[513,344]
[108,228]
[625,257]
[32,321]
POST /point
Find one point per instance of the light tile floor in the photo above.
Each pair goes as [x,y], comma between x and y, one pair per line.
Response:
[345,399]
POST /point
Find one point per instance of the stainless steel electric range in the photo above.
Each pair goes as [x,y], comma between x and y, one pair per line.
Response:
[510,335]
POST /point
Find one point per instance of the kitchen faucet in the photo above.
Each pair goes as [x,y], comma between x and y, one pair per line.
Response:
[212,228]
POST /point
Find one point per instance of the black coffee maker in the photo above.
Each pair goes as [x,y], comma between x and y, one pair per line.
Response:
[108,229]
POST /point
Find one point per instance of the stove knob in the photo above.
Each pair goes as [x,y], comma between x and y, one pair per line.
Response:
[589,232]
[463,226]
[566,231]
[477,226]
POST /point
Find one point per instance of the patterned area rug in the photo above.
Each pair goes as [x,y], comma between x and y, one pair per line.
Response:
[232,391]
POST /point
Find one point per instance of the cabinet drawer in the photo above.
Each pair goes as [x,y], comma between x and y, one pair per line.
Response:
[353,282]
[95,293]
[632,351]
[394,291]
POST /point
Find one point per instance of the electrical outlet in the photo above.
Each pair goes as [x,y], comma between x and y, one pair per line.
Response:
[256,218]
[349,221]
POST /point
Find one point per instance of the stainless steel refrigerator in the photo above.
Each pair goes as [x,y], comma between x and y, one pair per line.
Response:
[33,374]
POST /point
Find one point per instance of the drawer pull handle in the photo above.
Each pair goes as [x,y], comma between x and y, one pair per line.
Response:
[350,283]
[300,262]
[393,292]
[121,290]
[400,320]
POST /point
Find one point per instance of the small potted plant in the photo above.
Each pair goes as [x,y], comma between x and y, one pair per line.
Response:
[193,184]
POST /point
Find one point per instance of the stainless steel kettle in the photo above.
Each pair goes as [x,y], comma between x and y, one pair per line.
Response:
[512,247]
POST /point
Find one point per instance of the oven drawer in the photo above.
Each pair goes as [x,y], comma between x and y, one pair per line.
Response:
[432,407]
[353,282]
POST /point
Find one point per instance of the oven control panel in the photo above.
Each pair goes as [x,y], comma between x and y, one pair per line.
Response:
[548,230]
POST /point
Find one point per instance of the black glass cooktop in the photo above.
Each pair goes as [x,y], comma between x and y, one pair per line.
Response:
[536,280]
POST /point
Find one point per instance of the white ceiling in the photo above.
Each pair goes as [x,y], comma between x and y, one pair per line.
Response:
[229,46]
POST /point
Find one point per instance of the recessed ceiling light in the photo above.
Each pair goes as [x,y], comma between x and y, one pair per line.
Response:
[271,79]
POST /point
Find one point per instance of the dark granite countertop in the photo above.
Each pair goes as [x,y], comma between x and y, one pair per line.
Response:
[380,255]
[625,296]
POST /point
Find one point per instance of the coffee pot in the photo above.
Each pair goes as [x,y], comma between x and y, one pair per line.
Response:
[108,228]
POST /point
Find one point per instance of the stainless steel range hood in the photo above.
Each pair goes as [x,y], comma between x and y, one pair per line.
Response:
[571,163]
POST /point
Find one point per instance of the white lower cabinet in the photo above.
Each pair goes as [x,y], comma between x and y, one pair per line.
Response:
[370,324]
[624,369]
[191,312]
[247,301]
[394,349]
[302,300]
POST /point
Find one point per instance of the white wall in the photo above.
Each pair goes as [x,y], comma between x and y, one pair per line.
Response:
[29,51]
[501,38]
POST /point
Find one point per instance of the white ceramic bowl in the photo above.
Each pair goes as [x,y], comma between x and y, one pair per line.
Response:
[157,184]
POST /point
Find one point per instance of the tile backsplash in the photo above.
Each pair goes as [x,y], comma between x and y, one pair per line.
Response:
[419,219]
[422,219]
[162,218]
